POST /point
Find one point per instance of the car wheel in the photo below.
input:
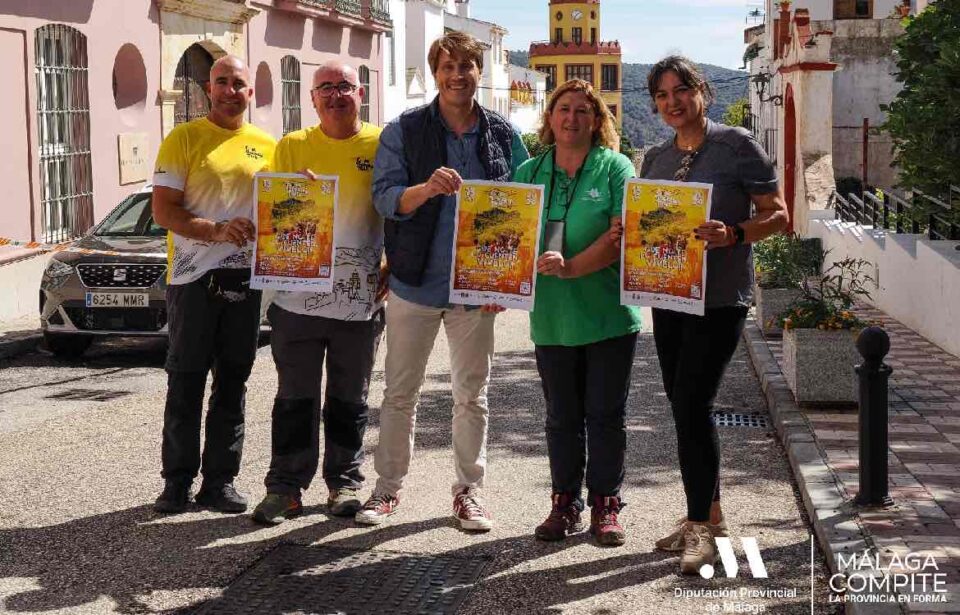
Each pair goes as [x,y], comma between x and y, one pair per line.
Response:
[67,346]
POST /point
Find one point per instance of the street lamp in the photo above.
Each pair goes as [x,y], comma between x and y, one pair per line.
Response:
[760,81]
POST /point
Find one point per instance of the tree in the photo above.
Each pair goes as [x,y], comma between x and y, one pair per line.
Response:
[923,119]
[532,142]
[626,145]
[738,113]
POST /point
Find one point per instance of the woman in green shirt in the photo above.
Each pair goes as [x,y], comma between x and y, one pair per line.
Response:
[584,338]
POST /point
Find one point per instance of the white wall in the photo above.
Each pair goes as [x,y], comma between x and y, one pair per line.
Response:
[395,96]
[424,21]
[526,117]
[918,280]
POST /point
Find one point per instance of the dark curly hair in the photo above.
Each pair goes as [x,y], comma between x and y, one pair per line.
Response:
[689,74]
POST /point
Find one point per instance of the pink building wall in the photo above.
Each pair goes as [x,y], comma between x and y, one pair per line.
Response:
[109,25]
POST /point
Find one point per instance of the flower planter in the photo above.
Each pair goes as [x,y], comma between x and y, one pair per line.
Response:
[770,303]
[819,366]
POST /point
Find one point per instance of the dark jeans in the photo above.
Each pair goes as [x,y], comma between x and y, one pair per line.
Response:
[694,352]
[586,388]
[207,332]
[299,345]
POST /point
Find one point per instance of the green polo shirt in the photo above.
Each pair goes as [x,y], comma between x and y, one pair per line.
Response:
[584,310]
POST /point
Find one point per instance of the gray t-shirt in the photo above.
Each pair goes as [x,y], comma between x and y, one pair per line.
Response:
[735,163]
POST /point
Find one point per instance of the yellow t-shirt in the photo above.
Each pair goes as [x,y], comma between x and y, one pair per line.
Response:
[359,228]
[214,169]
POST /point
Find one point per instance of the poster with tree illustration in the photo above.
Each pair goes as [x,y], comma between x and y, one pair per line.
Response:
[662,264]
[295,242]
[495,244]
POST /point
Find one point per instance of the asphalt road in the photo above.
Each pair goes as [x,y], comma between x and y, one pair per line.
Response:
[79,468]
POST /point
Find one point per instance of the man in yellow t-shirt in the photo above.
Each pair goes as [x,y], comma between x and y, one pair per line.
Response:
[343,326]
[203,195]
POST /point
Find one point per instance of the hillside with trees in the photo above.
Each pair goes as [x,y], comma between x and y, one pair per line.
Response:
[640,123]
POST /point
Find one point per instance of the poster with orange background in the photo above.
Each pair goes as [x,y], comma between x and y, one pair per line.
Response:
[495,244]
[295,242]
[662,264]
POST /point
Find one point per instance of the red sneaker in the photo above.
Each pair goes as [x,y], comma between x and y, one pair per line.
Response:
[377,509]
[470,512]
[603,521]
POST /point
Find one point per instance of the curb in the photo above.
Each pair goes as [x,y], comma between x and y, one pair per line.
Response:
[835,522]
[19,343]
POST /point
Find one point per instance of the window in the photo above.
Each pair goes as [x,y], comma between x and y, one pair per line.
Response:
[580,71]
[558,35]
[193,73]
[390,60]
[551,71]
[593,36]
[609,77]
[853,9]
[290,88]
[559,16]
[63,126]
[577,36]
[364,74]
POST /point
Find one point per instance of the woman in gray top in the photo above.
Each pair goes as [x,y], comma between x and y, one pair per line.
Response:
[694,350]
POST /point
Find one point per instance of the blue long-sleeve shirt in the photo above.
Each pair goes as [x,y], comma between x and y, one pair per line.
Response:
[391,178]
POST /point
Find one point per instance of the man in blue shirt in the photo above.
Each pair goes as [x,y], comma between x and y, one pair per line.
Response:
[423,158]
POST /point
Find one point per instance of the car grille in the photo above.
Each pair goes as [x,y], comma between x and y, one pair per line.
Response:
[117,319]
[119,275]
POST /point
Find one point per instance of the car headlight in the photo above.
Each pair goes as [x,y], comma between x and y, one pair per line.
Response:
[56,274]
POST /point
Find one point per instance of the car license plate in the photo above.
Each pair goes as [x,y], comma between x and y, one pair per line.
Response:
[115,300]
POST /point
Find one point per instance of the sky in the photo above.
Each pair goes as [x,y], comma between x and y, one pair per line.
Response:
[708,31]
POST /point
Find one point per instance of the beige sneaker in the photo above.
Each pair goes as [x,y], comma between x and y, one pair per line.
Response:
[699,549]
[673,542]
[343,502]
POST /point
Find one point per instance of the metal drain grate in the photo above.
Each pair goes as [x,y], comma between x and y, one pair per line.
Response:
[319,580]
[87,395]
[733,419]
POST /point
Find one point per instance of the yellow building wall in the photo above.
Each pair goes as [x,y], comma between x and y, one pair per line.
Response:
[562,61]
[563,16]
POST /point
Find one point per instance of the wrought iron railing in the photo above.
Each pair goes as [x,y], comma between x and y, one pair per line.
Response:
[349,7]
[378,11]
[916,213]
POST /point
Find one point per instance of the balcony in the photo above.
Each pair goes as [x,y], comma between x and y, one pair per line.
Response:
[365,14]
[549,48]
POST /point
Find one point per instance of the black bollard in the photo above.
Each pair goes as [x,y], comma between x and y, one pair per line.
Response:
[873,344]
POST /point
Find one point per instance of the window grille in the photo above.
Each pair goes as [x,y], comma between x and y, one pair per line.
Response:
[63,125]
[609,77]
[577,36]
[551,70]
[580,71]
[290,86]
[364,74]
[193,73]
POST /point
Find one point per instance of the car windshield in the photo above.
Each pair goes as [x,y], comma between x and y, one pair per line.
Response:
[131,218]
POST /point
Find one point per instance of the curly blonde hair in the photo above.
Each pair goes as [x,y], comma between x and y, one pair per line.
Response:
[605,135]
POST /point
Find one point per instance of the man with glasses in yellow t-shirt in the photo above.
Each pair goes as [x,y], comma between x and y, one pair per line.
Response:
[343,326]
[203,194]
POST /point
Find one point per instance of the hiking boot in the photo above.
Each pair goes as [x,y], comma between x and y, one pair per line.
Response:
[276,507]
[563,520]
[222,498]
[604,524]
[376,509]
[699,548]
[673,541]
[174,499]
[343,502]
[469,511]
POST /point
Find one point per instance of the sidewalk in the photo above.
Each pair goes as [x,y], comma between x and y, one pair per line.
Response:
[924,458]
[20,272]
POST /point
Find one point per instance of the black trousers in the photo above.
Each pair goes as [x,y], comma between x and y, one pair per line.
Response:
[586,389]
[300,344]
[694,352]
[208,332]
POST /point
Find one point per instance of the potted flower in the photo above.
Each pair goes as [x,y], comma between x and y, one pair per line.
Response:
[820,332]
[782,262]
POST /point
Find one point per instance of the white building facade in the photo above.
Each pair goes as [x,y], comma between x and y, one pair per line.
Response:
[528,97]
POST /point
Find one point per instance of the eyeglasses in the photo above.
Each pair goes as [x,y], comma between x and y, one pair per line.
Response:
[327,89]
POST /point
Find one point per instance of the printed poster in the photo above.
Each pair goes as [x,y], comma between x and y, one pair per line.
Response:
[495,244]
[295,243]
[663,266]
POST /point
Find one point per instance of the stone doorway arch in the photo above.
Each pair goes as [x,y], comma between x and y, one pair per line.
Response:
[190,79]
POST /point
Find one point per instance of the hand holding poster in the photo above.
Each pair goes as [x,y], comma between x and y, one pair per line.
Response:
[495,244]
[663,265]
[295,243]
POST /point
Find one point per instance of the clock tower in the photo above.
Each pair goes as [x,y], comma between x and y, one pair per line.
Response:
[575,51]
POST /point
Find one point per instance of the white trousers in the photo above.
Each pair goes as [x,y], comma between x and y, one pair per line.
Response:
[411,332]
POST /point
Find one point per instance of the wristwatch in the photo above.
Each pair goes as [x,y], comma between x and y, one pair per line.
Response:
[737,233]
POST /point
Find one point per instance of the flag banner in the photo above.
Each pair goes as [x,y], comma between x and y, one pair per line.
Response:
[495,244]
[295,240]
[662,265]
